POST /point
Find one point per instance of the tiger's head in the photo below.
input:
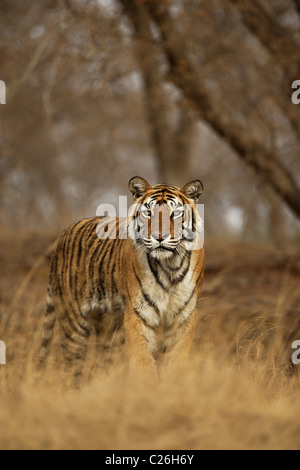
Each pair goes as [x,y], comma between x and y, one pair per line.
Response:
[164,220]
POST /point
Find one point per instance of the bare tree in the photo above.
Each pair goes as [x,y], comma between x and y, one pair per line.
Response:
[186,75]
[170,89]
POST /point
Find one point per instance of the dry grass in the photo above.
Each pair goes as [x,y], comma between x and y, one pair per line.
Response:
[237,392]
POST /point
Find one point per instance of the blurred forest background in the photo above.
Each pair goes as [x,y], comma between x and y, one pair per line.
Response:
[101,90]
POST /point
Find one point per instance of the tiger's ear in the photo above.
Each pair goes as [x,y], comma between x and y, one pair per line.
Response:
[193,190]
[138,186]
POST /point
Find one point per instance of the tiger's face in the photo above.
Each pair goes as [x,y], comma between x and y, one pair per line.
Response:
[164,218]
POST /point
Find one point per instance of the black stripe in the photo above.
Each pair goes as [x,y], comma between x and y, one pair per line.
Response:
[111,260]
[105,272]
[114,287]
[72,321]
[192,295]
[96,263]
[181,264]
[164,271]
[70,306]
[120,255]
[99,246]
[71,241]
[68,336]
[193,222]
[80,234]
[183,275]
[61,254]
[145,295]
[68,247]
[143,320]
[166,248]
[180,278]
[158,192]
[188,301]
[96,238]
[155,274]
[171,195]
[54,262]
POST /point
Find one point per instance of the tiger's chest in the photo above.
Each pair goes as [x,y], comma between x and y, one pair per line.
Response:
[160,296]
[162,300]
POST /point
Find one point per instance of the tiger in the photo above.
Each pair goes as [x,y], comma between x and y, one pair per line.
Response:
[150,279]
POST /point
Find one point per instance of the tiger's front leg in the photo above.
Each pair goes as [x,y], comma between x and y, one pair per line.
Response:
[141,344]
[178,341]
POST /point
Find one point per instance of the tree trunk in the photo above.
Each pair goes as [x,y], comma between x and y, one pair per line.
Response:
[171,146]
[186,74]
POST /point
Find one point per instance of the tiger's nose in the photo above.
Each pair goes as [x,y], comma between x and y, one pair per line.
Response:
[160,236]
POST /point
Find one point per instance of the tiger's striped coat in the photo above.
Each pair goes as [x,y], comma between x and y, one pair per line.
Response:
[150,285]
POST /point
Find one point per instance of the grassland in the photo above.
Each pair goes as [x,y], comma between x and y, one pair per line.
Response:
[238,391]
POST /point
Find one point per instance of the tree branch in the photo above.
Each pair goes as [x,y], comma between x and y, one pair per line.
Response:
[187,76]
[282,46]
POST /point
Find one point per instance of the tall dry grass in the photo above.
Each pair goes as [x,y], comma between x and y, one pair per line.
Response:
[237,392]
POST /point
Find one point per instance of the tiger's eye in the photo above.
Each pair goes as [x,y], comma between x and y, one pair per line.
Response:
[177,213]
[147,213]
